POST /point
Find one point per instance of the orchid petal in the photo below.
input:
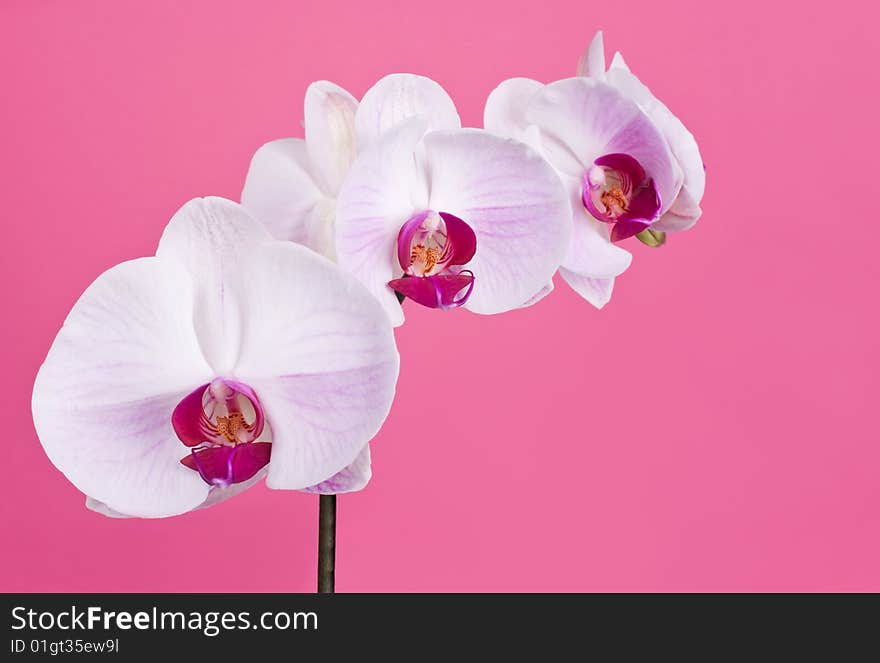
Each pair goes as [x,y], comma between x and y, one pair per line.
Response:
[222,493]
[683,215]
[504,113]
[538,296]
[590,252]
[216,494]
[681,142]
[515,204]
[280,190]
[592,62]
[323,363]
[99,507]
[348,480]
[617,62]
[597,291]
[397,98]
[330,133]
[385,187]
[103,398]
[212,237]
[320,228]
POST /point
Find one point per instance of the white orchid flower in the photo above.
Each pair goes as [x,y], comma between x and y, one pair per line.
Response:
[418,206]
[178,380]
[628,164]
[685,210]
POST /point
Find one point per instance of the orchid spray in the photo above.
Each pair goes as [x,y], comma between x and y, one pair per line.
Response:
[257,344]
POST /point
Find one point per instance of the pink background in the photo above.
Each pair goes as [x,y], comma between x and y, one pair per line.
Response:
[714,428]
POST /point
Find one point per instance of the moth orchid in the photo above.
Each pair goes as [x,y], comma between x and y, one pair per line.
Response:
[179,380]
[685,210]
[614,159]
[292,184]
[452,217]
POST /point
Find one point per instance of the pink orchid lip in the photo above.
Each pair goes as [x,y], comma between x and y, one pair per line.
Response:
[431,248]
[617,191]
[443,291]
[221,422]
[224,466]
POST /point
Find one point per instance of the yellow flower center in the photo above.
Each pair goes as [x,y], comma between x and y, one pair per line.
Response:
[424,259]
[230,426]
[614,200]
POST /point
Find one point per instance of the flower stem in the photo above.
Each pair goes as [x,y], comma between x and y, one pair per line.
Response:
[327,544]
[327,534]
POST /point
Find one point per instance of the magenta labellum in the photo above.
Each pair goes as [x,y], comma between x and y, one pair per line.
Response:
[617,191]
[432,247]
[221,421]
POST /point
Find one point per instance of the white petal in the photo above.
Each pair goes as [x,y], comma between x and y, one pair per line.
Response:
[321,228]
[103,398]
[99,507]
[222,493]
[683,215]
[385,187]
[594,290]
[538,296]
[216,494]
[399,97]
[592,62]
[505,112]
[280,191]
[681,142]
[591,252]
[515,204]
[353,478]
[617,62]
[319,352]
[211,237]
[330,132]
